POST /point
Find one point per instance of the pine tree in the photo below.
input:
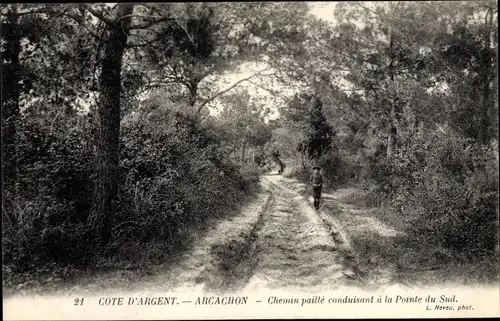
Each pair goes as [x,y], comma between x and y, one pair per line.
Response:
[320,132]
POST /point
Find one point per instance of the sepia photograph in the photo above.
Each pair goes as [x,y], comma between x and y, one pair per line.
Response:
[201,160]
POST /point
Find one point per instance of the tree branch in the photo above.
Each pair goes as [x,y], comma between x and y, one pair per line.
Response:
[384,20]
[149,24]
[146,41]
[160,18]
[83,25]
[262,87]
[343,54]
[209,100]
[99,15]
[31,12]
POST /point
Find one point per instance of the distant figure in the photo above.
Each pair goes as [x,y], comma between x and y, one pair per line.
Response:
[276,157]
[282,168]
[317,184]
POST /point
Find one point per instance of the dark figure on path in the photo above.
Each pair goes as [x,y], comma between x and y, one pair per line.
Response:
[276,157]
[317,184]
[282,168]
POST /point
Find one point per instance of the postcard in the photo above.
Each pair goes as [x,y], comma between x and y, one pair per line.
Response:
[225,160]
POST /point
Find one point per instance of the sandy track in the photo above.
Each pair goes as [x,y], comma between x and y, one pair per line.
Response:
[295,249]
[278,242]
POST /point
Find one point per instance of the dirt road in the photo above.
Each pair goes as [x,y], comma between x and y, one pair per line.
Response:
[295,250]
[277,242]
[280,241]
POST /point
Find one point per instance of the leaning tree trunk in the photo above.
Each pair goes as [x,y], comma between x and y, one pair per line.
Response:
[102,211]
[10,95]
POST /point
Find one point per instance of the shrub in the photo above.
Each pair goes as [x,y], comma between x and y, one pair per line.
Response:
[447,187]
[47,208]
[174,178]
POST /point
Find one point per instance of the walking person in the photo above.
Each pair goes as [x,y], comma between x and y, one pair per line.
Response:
[317,184]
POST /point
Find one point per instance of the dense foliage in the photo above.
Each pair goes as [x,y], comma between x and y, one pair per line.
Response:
[110,140]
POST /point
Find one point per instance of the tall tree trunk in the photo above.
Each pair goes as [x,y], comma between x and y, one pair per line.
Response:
[486,68]
[10,95]
[392,135]
[103,208]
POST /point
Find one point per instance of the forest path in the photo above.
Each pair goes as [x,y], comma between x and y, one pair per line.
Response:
[278,241]
[296,250]
[362,240]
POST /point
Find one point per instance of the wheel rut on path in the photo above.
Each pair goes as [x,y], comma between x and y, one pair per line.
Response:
[295,249]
